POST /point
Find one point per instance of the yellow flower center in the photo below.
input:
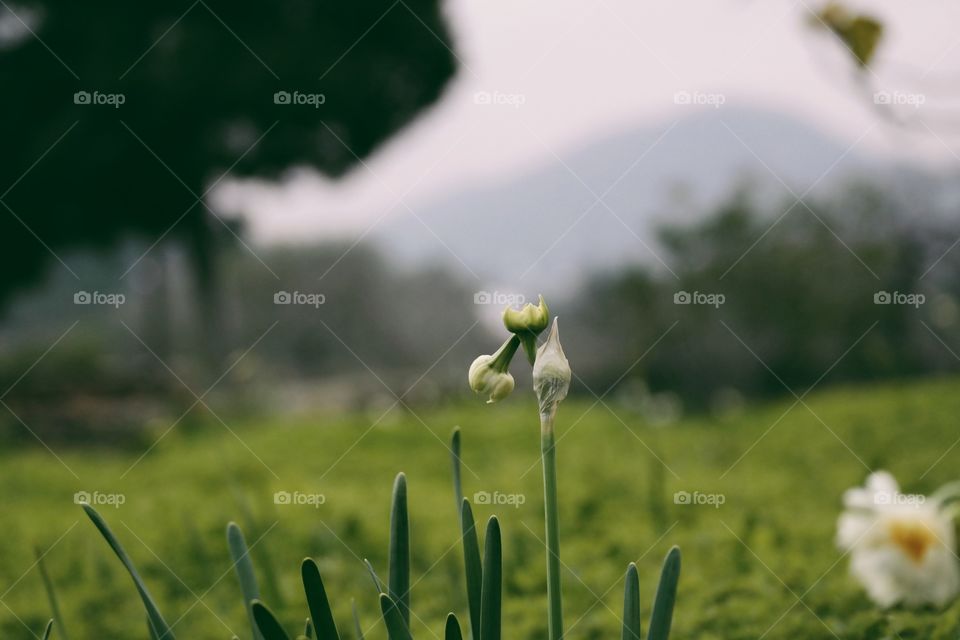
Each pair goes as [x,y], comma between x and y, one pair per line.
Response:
[914,538]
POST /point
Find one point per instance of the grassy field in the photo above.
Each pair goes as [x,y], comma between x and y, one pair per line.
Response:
[762,564]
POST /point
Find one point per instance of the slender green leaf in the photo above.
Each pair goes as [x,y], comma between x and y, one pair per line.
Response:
[51,596]
[155,621]
[267,623]
[48,630]
[317,600]
[631,605]
[268,582]
[397,628]
[377,582]
[356,620]
[455,455]
[399,559]
[308,629]
[472,567]
[490,600]
[243,566]
[452,630]
[666,597]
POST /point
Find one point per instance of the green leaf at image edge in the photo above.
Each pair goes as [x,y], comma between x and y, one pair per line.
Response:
[243,566]
[631,605]
[320,613]
[157,624]
[267,623]
[398,570]
[452,629]
[666,597]
[492,583]
[396,627]
[472,568]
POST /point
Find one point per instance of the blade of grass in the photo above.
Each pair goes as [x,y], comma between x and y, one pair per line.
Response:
[243,566]
[157,624]
[308,629]
[492,577]
[317,600]
[452,630]
[472,568]
[356,620]
[455,455]
[269,582]
[398,570]
[631,605]
[666,597]
[267,622]
[47,630]
[51,596]
[377,582]
[397,628]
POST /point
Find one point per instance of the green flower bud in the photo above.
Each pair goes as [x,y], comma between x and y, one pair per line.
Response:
[488,375]
[551,375]
[527,323]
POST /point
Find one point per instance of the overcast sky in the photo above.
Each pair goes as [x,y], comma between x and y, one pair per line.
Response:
[560,73]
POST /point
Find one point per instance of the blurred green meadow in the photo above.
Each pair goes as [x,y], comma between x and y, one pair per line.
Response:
[761,564]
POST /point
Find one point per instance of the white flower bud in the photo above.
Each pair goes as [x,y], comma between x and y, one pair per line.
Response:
[551,374]
[485,379]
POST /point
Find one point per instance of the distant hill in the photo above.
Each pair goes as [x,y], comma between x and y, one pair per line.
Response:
[501,229]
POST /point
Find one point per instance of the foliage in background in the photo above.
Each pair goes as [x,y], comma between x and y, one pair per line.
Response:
[799,291]
[799,298]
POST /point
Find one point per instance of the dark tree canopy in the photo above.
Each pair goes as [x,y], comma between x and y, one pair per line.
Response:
[197,80]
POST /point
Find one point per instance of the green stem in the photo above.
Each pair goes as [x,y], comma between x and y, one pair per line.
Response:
[503,356]
[552,525]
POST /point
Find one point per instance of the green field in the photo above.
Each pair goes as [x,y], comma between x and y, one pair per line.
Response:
[762,564]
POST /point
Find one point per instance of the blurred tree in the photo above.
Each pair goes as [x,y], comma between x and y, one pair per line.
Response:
[800,290]
[119,117]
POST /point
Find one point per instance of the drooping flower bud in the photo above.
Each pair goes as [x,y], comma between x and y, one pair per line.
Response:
[527,323]
[488,374]
[551,375]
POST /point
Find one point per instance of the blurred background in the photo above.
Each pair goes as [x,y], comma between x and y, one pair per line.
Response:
[399,173]
[252,249]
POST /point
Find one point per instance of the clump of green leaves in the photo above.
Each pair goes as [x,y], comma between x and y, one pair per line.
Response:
[483,574]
